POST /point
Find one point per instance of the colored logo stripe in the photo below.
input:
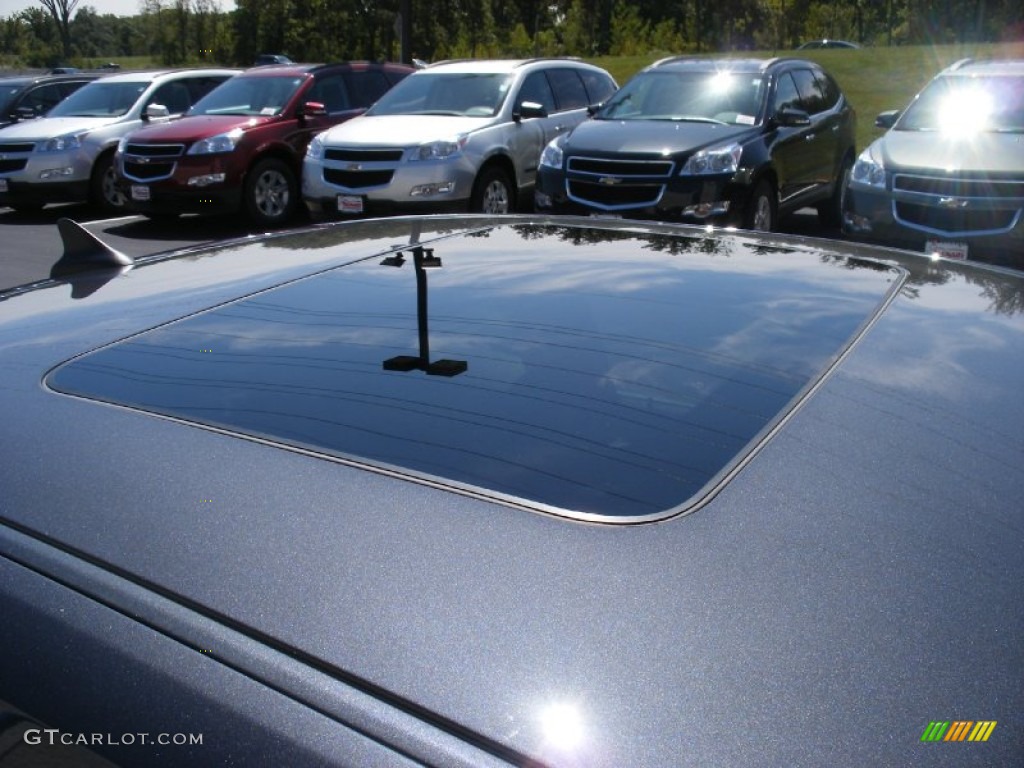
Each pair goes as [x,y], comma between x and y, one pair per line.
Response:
[982,731]
[958,730]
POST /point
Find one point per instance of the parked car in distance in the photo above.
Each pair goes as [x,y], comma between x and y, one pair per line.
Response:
[454,136]
[948,175]
[32,96]
[707,140]
[68,156]
[241,147]
[265,59]
[811,45]
[481,491]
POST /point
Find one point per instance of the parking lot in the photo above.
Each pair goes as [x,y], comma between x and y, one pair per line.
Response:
[31,244]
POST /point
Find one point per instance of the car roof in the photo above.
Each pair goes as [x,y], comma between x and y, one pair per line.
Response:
[33,79]
[718,64]
[158,74]
[497,65]
[825,558]
[277,70]
[1010,67]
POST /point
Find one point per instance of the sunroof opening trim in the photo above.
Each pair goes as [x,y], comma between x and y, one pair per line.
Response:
[456,477]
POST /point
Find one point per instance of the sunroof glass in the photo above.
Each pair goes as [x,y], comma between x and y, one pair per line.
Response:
[612,376]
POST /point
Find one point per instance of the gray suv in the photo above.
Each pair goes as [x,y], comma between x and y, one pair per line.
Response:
[68,156]
[948,177]
[456,136]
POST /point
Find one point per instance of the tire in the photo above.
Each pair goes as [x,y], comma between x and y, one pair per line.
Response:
[493,192]
[271,193]
[104,193]
[830,212]
[761,209]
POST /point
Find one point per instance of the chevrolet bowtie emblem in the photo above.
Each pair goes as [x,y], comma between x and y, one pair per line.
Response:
[609,180]
[354,167]
[953,202]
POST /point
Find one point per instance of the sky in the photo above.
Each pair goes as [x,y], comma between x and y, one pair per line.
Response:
[117,7]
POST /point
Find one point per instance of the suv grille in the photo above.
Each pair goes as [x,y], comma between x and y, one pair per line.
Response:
[150,162]
[7,148]
[958,206]
[614,196]
[952,222]
[611,184]
[6,166]
[357,179]
[659,168]
[155,150]
[958,187]
[363,155]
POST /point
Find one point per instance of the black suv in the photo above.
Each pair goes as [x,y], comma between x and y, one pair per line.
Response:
[729,141]
[31,96]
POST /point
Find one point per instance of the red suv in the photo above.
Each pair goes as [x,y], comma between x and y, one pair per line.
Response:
[241,146]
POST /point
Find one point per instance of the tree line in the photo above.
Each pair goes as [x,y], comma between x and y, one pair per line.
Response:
[186,32]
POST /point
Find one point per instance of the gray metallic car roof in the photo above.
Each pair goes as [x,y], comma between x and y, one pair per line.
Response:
[858,578]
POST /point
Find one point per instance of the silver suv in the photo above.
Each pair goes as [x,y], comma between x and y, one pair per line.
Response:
[948,177]
[454,136]
[67,156]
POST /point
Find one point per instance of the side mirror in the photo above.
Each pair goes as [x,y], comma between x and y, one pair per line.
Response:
[528,109]
[311,109]
[156,112]
[593,109]
[887,119]
[788,117]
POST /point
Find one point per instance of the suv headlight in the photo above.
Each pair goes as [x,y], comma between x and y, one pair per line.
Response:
[713,161]
[222,142]
[315,150]
[63,143]
[552,156]
[439,150]
[868,171]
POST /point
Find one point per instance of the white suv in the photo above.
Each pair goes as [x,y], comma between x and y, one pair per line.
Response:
[67,156]
[455,136]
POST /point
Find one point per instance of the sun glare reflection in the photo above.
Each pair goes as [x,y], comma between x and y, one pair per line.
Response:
[723,81]
[965,112]
[562,726]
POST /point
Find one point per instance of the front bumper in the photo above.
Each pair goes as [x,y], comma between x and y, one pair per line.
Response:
[716,200]
[46,177]
[993,231]
[161,184]
[388,186]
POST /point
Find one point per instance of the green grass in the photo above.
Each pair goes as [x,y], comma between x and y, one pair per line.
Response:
[874,79]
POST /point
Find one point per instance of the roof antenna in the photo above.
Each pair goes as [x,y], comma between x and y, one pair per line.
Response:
[84,252]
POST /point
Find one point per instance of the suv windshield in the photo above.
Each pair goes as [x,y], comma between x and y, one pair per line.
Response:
[249,96]
[968,105]
[100,100]
[464,94]
[720,97]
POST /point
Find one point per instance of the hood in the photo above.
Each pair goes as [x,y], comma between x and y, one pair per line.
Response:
[402,130]
[648,136]
[995,153]
[48,127]
[187,129]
